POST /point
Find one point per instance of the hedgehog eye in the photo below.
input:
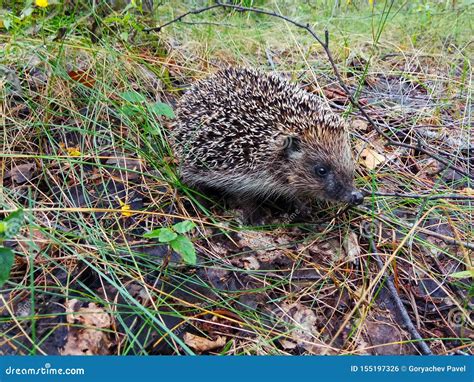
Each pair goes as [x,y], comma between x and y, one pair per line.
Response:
[321,171]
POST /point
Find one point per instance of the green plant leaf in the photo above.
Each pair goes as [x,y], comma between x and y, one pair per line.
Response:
[167,235]
[183,227]
[161,108]
[152,234]
[463,274]
[16,215]
[129,110]
[133,97]
[164,235]
[185,248]
[11,225]
[6,263]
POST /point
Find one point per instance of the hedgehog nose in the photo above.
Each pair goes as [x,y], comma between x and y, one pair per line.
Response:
[356,198]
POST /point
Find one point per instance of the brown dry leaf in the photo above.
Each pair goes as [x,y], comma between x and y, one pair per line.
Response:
[360,124]
[250,262]
[82,77]
[382,336]
[267,246]
[351,246]
[202,344]
[321,252]
[336,95]
[428,167]
[287,344]
[302,321]
[21,173]
[371,158]
[85,337]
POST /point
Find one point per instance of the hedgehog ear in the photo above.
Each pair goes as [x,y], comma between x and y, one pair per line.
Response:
[291,147]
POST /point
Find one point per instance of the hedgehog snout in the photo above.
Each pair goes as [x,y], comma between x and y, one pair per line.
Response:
[356,197]
[340,190]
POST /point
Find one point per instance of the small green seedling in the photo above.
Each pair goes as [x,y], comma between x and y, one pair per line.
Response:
[136,105]
[175,237]
[9,227]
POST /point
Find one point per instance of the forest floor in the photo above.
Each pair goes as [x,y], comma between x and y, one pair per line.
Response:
[87,100]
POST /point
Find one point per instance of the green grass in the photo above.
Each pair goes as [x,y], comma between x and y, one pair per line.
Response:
[249,282]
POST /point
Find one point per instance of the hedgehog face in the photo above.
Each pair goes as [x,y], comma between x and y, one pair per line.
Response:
[318,171]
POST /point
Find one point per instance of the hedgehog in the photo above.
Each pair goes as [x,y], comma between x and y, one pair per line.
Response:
[258,136]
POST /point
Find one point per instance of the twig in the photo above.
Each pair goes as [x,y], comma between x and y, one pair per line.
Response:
[406,320]
[179,18]
[210,23]
[325,45]
[419,196]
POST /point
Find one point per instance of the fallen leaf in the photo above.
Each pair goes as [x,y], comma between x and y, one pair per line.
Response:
[371,158]
[82,77]
[250,262]
[301,326]
[360,124]
[351,246]
[21,173]
[428,167]
[382,336]
[86,335]
[202,344]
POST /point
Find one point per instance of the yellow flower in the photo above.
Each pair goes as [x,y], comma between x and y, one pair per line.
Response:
[125,209]
[73,151]
[41,3]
